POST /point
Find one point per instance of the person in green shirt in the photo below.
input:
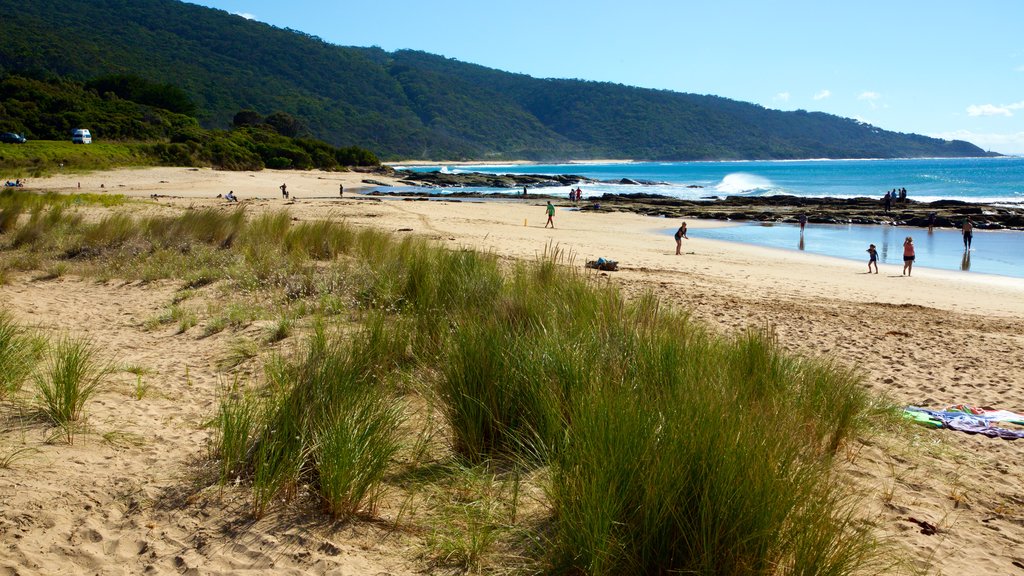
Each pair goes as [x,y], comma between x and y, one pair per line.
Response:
[551,214]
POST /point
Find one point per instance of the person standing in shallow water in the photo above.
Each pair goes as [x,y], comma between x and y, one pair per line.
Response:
[550,209]
[908,256]
[680,234]
[968,231]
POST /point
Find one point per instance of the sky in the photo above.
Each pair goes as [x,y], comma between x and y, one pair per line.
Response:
[947,69]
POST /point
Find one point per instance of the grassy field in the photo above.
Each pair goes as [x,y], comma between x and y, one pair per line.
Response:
[659,446]
[42,157]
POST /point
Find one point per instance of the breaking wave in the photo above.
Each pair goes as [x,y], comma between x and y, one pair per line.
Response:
[743,183]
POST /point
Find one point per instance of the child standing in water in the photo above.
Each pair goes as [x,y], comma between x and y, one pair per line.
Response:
[908,256]
[872,258]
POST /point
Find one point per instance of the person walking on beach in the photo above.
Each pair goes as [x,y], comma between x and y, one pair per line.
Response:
[968,231]
[284,191]
[550,209]
[680,234]
[908,256]
[802,219]
[872,258]
[887,201]
[341,190]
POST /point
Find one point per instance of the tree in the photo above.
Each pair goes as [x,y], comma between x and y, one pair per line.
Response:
[247,117]
[284,123]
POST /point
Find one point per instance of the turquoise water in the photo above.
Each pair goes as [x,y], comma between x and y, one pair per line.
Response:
[990,180]
[993,252]
[969,179]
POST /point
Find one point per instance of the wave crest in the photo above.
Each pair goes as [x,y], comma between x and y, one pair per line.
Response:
[743,183]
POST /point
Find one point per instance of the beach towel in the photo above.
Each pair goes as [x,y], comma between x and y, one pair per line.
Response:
[996,415]
[964,420]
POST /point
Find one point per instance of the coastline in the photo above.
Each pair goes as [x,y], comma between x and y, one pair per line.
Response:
[934,339]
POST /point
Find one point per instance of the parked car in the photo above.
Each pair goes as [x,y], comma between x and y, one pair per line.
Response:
[81,136]
[12,138]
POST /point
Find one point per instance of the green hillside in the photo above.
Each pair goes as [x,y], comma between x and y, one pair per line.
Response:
[408,104]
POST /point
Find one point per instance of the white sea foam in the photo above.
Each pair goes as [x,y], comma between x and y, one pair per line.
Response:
[743,183]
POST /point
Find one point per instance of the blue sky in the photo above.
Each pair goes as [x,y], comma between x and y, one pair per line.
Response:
[941,68]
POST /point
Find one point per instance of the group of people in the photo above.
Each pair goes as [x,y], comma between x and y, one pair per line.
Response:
[17,183]
[575,195]
[894,195]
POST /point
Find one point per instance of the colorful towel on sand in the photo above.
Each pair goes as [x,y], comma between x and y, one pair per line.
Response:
[967,419]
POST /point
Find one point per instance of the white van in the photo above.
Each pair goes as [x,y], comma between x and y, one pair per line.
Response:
[81,136]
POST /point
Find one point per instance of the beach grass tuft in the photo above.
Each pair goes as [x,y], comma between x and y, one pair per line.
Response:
[19,353]
[72,375]
[328,417]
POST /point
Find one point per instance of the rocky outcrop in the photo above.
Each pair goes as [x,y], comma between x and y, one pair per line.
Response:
[943,213]
[481,180]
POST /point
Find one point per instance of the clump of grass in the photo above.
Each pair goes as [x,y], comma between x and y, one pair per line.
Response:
[237,417]
[112,231]
[239,351]
[353,449]
[216,325]
[11,210]
[280,329]
[45,227]
[320,240]
[327,419]
[475,511]
[71,377]
[19,353]
[185,317]
[8,459]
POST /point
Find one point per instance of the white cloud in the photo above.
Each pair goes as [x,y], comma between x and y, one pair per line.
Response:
[1010,143]
[993,110]
[823,94]
[781,97]
[246,15]
[871,97]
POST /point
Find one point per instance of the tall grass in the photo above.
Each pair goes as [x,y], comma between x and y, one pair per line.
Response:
[10,211]
[71,377]
[671,450]
[19,353]
[329,420]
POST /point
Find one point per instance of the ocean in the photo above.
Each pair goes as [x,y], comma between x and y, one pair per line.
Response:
[985,180]
[989,180]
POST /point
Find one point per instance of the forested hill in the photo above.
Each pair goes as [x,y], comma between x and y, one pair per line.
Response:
[412,104]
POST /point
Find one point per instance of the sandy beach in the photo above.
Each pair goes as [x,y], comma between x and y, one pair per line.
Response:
[121,500]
